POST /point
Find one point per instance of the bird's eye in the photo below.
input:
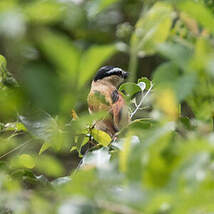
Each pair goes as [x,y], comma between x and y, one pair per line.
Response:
[120,73]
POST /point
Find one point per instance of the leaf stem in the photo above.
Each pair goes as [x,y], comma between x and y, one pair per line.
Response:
[15,149]
[141,102]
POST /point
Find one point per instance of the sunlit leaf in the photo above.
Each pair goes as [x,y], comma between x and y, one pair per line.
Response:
[166,101]
[124,154]
[3,62]
[152,28]
[6,77]
[44,147]
[193,9]
[43,12]
[80,141]
[7,5]
[203,55]
[101,137]
[15,126]
[27,161]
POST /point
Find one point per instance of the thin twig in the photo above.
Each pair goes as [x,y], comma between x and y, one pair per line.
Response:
[15,149]
[141,102]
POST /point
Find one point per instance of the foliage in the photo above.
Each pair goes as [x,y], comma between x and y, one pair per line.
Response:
[52,159]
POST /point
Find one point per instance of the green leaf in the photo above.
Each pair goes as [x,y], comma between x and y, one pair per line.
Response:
[199,12]
[39,124]
[47,95]
[80,141]
[3,66]
[167,75]
[92,59]
[146,81]
[177,53]
[203,55]
[140,124]
[27,161]
[97,6]
[61,52]
[100,98]
[185,85]
[130,89]
[44,147]
[152,28]
[46,128]
[7,5]
[186,123]
[124,154]
[49,165]
[29,178]
[6,77]
[3,62]
[43,12]
[101,137]
[15,126]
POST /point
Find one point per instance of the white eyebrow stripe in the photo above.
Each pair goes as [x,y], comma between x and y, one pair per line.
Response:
[114,70]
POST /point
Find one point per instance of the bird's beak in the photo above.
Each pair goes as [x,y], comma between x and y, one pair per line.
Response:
[125,74]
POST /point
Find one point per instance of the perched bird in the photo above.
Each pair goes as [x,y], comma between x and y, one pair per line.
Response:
[104,96]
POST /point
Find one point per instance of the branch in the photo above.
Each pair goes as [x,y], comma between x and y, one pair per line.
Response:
[15,149]
[141,102]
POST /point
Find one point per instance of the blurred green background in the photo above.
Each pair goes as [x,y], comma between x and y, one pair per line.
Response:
[162,163]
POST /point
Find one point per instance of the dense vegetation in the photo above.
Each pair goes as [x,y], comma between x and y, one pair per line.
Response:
[52,161]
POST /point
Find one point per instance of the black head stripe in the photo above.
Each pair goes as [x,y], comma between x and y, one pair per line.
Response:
[106,71]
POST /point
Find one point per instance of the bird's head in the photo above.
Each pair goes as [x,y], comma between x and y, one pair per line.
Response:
[111,74]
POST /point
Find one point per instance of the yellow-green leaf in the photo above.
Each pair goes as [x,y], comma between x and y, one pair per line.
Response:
[43,12]
[3,61]
[44,147]
[124,154]
[26,161]
[152,28]
[199,12]
[50,166]
[101,137]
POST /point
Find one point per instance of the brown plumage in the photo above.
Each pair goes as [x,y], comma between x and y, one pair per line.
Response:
[104,96]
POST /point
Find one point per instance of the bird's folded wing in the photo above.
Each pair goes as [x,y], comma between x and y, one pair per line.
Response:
[120,112]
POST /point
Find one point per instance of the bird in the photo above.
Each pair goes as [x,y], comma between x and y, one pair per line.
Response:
[105,96]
